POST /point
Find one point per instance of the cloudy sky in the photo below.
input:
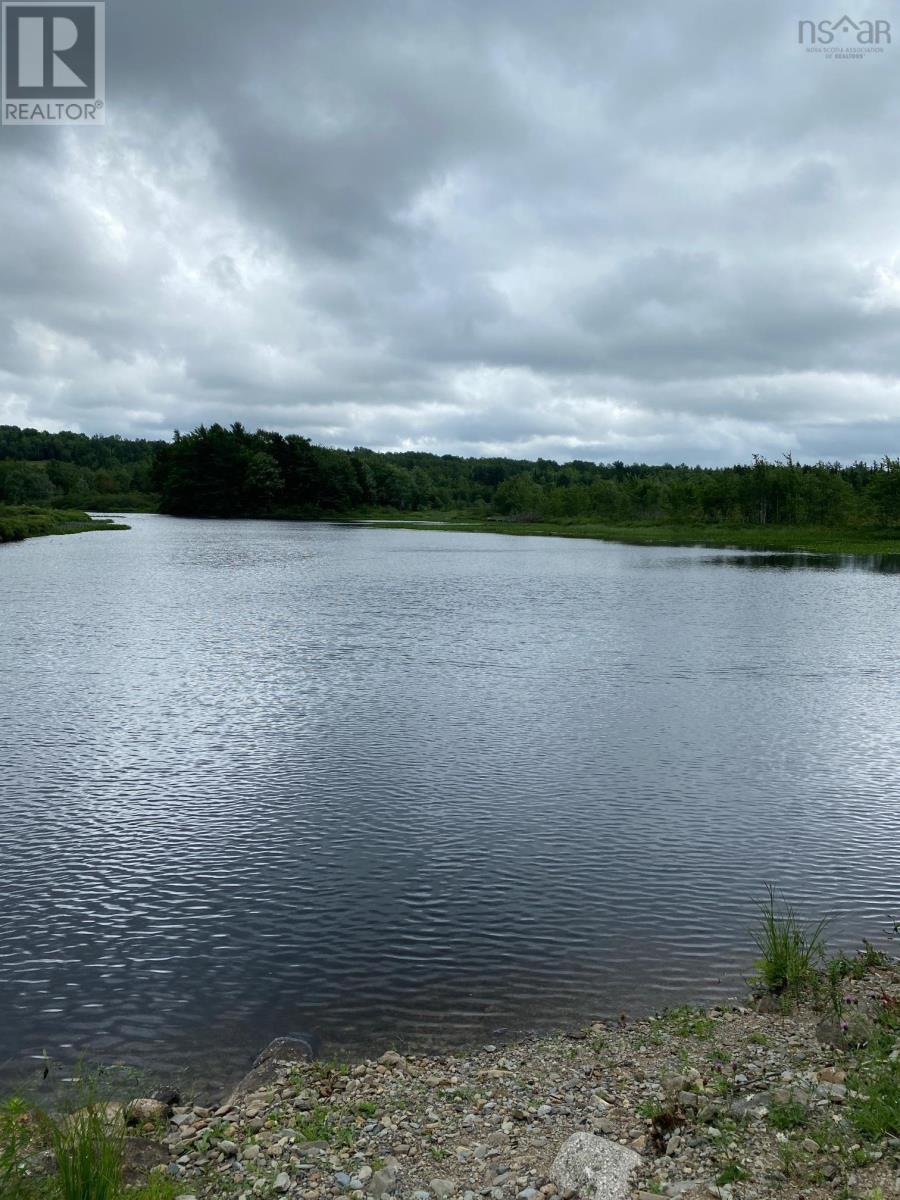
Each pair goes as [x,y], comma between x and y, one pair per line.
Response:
[645,231]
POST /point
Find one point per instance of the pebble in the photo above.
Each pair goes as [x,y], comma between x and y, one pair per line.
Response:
[494,1119]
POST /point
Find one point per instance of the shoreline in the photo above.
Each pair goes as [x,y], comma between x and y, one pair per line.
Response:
[813,540]
[875,542]
[751,1100]
[19,523]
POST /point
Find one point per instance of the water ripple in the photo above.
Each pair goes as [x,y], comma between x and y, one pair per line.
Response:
[418,787]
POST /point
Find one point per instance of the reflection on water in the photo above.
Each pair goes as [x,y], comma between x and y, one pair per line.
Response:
[880,564]
[418,787]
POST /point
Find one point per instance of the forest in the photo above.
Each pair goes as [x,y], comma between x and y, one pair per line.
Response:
[218,471]
[75,471]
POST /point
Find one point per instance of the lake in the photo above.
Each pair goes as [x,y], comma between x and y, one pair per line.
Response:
[418,788]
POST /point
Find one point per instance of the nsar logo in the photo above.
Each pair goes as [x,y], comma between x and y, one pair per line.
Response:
[844,38]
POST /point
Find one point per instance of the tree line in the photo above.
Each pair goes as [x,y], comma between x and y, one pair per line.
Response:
[73,470]
[231,472]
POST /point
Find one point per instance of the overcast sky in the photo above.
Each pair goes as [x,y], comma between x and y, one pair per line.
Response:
[641,231]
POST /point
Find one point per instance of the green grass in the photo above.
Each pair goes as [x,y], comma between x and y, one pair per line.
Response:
[731,1174]
[16,1136]
[315,1125]
[817,539]
[875,1085]
[88,1145]
[789,1115]
[322,1124]
[27,521]
[685,1022]
[875,1111]
[790,949]
[651,1109]
[158,1187]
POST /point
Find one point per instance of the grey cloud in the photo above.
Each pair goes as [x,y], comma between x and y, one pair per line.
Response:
[582,231]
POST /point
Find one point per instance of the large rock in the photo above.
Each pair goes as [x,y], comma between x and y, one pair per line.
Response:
[384,1182]
[854,1031]
[594,1167]
[285,1049]
[265,1065]
[147,1109]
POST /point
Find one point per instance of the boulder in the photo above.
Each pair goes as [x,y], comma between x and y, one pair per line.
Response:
[855,1030]
[265,1066]
[147,1109]
[594,1168]
[384,1181]
[285,1049]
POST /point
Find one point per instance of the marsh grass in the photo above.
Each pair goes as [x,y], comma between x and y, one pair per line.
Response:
[865,540]
[790,949]
[88,1145]
[18,522]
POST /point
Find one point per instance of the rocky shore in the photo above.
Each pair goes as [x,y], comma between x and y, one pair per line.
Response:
[739,1102]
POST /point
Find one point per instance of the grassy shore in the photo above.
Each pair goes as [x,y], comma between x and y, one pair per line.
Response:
[26,521]
[812,538]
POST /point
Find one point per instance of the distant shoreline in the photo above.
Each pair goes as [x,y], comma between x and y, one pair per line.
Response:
[34,521]
[772,538]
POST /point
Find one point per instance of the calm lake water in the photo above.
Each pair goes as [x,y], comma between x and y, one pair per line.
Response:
[419,788]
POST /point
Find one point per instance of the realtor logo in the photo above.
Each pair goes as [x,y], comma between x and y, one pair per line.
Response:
[54,63]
